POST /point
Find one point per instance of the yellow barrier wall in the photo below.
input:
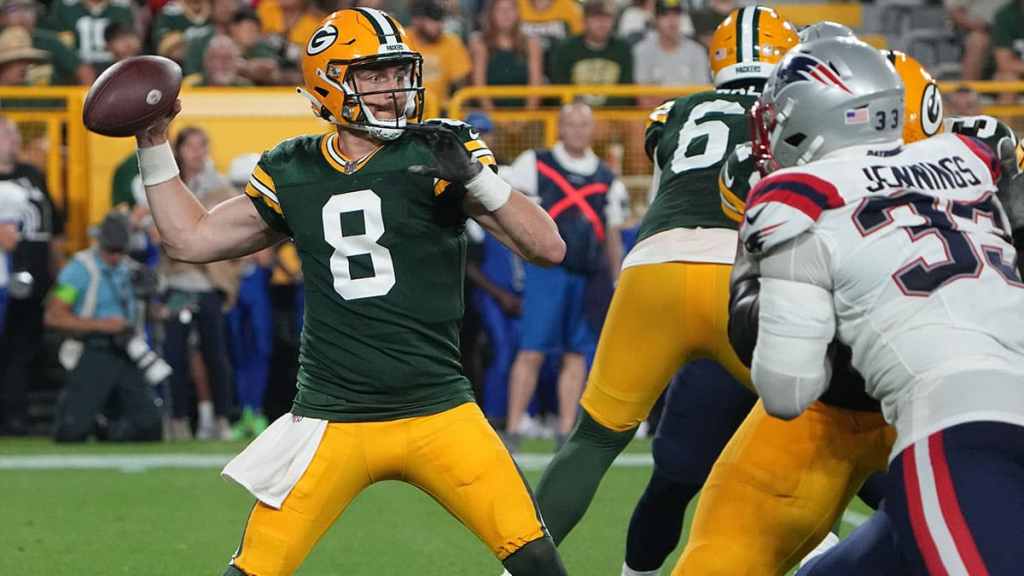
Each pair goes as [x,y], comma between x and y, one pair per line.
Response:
[79,165]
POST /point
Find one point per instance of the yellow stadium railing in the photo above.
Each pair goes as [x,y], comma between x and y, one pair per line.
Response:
[79,164]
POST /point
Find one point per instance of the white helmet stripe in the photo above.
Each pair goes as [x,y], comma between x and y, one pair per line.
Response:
[747,33]
[389,31]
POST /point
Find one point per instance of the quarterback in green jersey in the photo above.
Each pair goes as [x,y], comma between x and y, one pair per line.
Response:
[670,304]
[376,208]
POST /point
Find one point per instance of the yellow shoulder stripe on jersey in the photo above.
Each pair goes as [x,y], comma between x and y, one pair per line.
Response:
[261,175]
[732,206]
[1020,155]
[474,145]
[256,189]
[660,114]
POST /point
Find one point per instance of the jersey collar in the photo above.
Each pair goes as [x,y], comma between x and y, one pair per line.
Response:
[337,160]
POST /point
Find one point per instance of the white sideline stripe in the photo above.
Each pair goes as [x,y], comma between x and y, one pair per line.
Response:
[139,462]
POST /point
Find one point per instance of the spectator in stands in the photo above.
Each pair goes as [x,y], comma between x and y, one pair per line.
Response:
[503,55]
[288,24]
[222,65]
[197,296]
[68,69]
[635,20]
[222,14]
[1008,44]
[105,355]
[262,64]
[972,19]
[667,57]
[963,101]
[178,23]
[554,319]
[18,58]
[446,63]
[122,41]
[550,21]
[38,255]
[594,57]
[706,15]
[84,22]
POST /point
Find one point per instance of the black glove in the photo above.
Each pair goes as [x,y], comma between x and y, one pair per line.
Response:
[1011,184]
[452,161]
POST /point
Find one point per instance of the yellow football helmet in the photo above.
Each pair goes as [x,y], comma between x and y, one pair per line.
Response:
[748,44]
[349,39]
[922,101]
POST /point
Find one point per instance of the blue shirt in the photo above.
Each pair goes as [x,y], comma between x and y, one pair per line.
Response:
[114,296]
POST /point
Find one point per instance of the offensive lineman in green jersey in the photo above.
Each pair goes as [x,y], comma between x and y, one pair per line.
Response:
[671,300]
[84,21]
[377,210]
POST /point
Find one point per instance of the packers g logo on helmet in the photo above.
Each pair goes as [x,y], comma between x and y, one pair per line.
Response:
[748,44]
[322,39]
[353,39]
[922,100]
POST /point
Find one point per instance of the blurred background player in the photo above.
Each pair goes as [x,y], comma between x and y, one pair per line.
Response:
[589,203]
[670,305]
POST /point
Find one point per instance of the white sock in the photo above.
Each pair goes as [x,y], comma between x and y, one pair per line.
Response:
[206,414]
[627,571]
[827,542]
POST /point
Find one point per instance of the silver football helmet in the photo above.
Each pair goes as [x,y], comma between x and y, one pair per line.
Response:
[826,95]
[825,29]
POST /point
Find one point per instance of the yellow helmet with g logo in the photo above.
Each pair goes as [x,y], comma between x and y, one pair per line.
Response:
[748,44]
[922,101]
[350,39]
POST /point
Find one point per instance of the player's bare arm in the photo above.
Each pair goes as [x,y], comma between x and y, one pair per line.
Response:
[189,231]
[514,219]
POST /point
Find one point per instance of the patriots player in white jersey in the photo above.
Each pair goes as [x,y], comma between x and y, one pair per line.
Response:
[902,253]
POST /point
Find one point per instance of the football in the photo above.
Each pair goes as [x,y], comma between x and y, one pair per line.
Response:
[132,93]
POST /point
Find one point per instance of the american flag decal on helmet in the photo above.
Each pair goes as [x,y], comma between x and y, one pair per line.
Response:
[805,68]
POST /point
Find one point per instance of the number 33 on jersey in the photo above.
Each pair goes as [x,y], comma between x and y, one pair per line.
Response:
[383,252]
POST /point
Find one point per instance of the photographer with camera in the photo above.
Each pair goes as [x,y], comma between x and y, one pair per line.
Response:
[109,364]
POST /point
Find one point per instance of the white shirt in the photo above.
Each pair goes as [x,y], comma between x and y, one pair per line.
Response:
[15,208]
[687,63]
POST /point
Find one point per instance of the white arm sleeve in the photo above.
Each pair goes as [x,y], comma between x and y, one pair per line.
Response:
[790,367]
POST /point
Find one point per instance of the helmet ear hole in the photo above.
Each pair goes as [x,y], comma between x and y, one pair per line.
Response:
[322,91]
[796,140]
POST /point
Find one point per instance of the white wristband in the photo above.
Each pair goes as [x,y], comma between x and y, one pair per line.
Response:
[489,189]
[157,164]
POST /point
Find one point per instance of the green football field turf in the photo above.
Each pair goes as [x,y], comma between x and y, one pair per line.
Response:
[187,521]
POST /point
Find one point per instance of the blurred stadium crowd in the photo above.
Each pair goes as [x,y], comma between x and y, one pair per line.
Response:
[227,333]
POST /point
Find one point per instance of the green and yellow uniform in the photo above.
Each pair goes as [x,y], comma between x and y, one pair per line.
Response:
[671,304]
[383,258]
[85,22]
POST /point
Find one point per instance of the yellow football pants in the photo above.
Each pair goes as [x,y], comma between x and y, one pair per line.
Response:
[454,456]
[661,317]
[778,487]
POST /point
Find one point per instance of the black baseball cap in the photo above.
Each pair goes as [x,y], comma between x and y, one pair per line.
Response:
[666,6]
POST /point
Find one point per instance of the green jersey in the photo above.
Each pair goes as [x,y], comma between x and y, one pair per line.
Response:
[688,140]
[383,259]
[985,128]
[176,22]
[64,60]
[88,22]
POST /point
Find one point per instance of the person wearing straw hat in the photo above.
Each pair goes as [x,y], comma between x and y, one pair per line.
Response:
[17,55]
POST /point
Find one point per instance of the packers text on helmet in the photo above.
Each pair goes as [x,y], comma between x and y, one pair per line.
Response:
[748,44]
